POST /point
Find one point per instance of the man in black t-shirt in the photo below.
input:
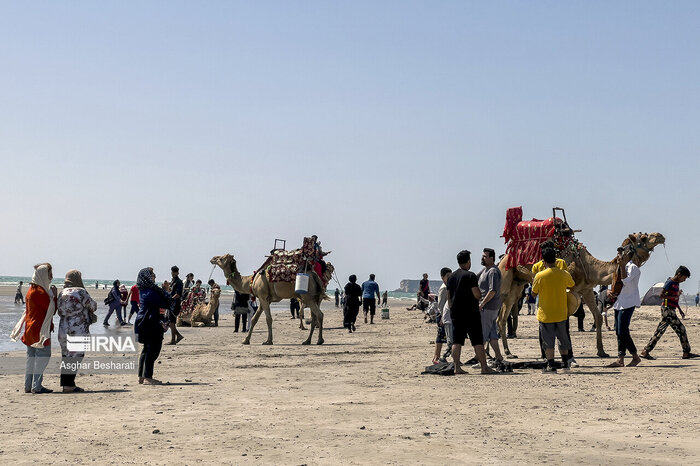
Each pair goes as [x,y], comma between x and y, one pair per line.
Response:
[424,286]
[175,293]
[464,298]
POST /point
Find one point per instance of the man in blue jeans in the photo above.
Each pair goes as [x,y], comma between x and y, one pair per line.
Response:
[370,288]
[627,300]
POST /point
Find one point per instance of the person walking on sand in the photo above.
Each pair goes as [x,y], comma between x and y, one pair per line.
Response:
[552,311]
[19,296]
[370,288]
[489,280]
[669,305]
[444,328]
[353,294]
[294,308]
[624,306]
[337,297]
[133,298]
[176,287]
[150,323]
[464,296]
[37,320]
[239,306]
[115,304]
[77,311]
[385,298]
[697,298]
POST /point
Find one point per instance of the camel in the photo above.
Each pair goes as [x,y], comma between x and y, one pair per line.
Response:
[587,271]
[273,292]
[202,314]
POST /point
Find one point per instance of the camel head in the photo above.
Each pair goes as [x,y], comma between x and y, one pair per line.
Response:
[215,293]
[226,262]
[641,245]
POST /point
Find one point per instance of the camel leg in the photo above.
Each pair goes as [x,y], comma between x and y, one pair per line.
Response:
[268,318]
[253,322]
[515,312]
[312,328]
[589,299]
[502,322]
[301,318]
[319,322]
[509,301]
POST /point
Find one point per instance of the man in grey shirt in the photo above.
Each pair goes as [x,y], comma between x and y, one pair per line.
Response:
[489,306]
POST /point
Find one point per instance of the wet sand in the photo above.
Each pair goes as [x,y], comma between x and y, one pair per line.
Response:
[360,399]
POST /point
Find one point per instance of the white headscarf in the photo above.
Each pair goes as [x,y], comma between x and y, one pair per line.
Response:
[40,278]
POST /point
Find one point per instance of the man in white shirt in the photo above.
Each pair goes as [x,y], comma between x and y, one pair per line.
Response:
[624,306]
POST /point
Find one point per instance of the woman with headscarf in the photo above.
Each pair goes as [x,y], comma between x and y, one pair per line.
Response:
[76,309]
[37,320]
[150,323]
[114,304]
[353,296]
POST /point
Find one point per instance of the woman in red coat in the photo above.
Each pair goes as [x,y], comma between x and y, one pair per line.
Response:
[37,321]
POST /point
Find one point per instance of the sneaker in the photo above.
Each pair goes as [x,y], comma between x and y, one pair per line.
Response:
[573,363]
[105,324]
[549,370]
[41,390]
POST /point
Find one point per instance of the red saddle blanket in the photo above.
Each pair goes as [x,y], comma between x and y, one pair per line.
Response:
[524,240]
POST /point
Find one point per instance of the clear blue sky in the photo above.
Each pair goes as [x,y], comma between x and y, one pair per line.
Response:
[153,133]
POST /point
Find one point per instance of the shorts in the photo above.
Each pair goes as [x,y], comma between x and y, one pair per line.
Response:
[369,304]
[550,331]
[441,335]
[174,312]
[134,307]
[489,325]
[470,325]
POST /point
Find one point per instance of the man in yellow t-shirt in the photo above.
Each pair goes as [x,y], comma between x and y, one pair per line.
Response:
[551,285]
[540,266]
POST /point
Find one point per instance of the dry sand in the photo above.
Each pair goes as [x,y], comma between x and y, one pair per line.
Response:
[359,399]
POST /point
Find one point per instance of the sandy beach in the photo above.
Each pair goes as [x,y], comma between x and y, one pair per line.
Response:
[360,399]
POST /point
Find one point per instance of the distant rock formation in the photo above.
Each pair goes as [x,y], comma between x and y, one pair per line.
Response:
[412,286]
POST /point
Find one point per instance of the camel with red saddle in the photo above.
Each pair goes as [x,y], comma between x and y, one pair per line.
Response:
[268,292]
[587,271]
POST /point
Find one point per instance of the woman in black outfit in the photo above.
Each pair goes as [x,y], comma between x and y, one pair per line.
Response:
[353,298]
[150,323]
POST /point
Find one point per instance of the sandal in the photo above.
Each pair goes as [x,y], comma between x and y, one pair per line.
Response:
[647,356]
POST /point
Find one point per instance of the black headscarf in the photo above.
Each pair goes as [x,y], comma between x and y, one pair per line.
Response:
[146,279]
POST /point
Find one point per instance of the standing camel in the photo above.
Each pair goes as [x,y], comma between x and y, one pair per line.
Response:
[587,272]
[272,292]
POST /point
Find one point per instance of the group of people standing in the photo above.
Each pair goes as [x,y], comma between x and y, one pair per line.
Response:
[156,310]
[356,296]
[468,305]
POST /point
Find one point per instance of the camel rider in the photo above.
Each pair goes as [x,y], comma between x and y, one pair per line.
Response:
[319,264]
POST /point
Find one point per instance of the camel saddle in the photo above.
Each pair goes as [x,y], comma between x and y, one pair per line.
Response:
[525,237]
[283,266]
